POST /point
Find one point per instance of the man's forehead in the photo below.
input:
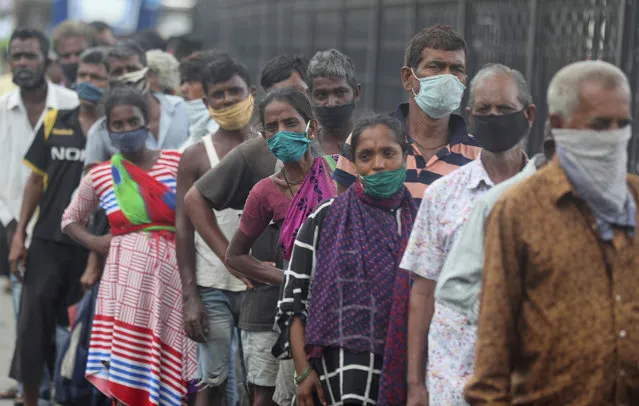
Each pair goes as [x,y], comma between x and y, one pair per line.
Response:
[24,44]
[598,98]
[233,81]
[329,83]
[431,54]
[74,41]
[496,84]
[133,59]
[91,67]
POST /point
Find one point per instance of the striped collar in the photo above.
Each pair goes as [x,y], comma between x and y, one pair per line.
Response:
[456,128]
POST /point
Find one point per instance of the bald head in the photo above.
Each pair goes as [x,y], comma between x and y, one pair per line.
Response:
[589,94]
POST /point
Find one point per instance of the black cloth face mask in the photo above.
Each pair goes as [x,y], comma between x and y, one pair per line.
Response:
[70,71]
[500,133]
[334,117]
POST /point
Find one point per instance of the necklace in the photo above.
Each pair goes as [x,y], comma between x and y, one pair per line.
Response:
[435,147]
[288,184]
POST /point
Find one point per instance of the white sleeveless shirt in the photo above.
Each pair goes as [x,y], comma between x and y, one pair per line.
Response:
[210,271]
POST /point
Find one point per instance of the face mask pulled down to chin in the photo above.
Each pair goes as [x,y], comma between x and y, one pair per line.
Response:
[138,79]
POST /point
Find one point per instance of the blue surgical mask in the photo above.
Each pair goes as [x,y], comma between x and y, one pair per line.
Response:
[88,91]
[288,146]
[439,95]
[130,141]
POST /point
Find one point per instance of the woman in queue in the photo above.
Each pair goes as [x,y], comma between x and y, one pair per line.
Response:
[139,353]
[344,305]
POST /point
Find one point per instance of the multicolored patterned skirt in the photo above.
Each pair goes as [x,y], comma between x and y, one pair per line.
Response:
[139,353]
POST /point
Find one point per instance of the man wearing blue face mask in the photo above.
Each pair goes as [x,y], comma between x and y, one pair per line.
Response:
[56,263]
[434,77]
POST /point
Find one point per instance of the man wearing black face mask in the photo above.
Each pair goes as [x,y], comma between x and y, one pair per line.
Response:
[502,113]
[21,115]
[334,92]
[70,39]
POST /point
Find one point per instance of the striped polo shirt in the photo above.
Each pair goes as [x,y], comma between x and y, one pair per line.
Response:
[461,150]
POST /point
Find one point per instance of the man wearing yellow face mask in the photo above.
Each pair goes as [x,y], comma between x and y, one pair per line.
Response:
[212,295]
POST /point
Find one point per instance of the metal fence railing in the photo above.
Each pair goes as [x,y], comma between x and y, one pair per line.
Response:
[537,37]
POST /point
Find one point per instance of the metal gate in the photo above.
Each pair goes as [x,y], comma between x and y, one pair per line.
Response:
[537,37]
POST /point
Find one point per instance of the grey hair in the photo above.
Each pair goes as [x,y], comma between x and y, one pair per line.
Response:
[565,87]
[331,64]
[494,69]
[166,67]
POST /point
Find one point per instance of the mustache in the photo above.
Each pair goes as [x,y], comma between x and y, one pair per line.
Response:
[23,71]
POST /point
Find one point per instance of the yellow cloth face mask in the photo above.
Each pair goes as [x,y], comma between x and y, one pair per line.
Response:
[234,117]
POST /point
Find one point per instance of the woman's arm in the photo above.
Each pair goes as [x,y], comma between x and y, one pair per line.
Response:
[256,216]
[238,258]
[293,306]
[77,214]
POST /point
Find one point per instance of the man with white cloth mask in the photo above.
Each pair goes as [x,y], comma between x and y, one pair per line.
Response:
[558,322]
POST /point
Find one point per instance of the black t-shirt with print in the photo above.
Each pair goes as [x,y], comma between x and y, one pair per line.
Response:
[57,153]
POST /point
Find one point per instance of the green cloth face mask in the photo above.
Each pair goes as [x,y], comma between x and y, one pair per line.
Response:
[384,184]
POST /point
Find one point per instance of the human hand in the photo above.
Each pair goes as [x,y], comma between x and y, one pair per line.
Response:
[195,318]
[102,244]
[242,278]
[91,276]
[305,390]
[17,254]
[417,395]
[11,231]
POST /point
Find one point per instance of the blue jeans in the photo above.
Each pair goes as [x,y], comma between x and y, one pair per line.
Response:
[16,295]
[216,357]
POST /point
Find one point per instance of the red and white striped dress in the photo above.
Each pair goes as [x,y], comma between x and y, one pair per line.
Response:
[139,353]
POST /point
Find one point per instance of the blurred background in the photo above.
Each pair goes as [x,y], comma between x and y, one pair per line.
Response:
[536,37]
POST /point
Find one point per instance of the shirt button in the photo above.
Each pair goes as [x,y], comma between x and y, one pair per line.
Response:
[622,333]
[618,298]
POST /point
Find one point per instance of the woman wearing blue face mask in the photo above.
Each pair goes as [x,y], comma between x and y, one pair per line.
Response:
[138,310]
[344,307]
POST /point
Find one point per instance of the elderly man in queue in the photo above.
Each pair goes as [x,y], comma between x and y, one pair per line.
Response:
[501,112]
[164,72]
[558,320]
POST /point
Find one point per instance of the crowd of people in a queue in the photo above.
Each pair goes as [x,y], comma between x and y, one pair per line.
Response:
[275,250]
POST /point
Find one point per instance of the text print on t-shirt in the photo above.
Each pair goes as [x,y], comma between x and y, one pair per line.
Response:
[67,154]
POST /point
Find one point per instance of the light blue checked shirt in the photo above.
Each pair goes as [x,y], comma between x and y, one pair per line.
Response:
[459,284]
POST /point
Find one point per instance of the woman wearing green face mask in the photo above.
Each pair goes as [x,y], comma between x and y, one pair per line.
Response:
[286,199]
[344,307]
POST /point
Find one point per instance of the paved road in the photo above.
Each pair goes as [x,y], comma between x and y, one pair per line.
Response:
[7,337]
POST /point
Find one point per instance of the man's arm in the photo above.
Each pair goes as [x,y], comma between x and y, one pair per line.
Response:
[195,322]
[32,194]
[424,257]
[421,310]
[500,305]
[37,159]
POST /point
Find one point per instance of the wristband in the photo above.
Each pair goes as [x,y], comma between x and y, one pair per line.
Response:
[299,379]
